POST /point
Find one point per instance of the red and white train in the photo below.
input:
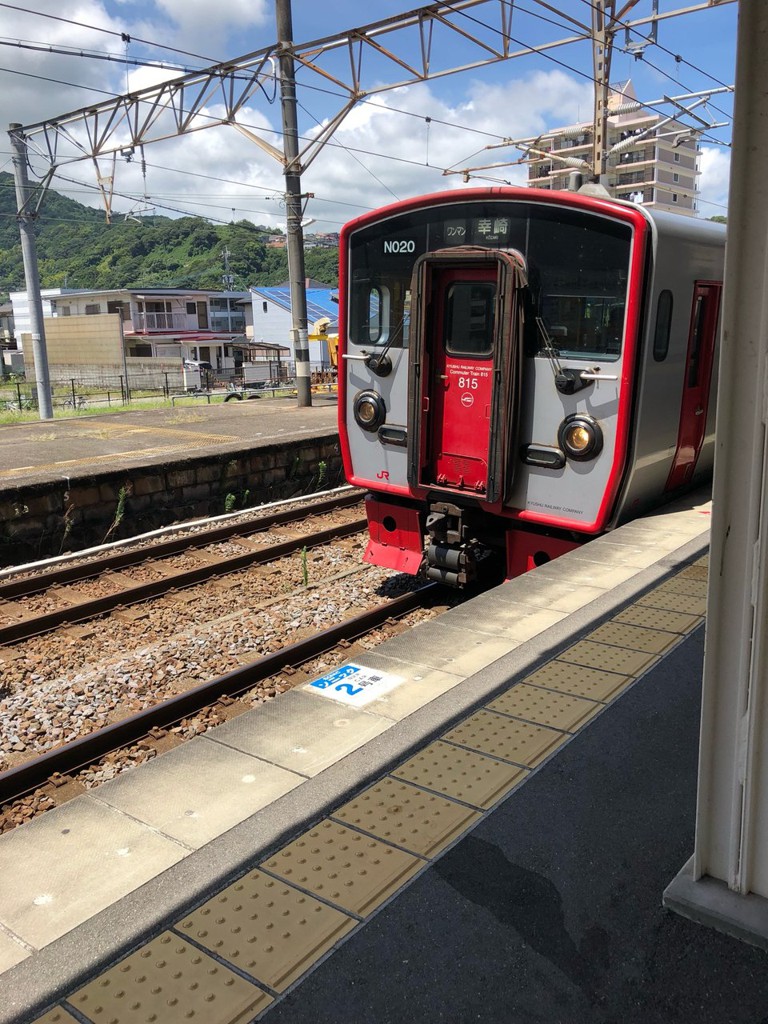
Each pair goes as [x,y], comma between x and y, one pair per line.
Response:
[521,370]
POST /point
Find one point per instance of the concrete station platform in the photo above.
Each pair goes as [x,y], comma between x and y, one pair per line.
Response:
[70,483]
[487,838]
[69,447]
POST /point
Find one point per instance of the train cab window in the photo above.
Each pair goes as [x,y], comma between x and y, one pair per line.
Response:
[469,318]
[578,269]
[663,326]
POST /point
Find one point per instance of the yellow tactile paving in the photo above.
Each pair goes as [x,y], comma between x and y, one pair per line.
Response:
[534,704]
[580,680]
[674,602]
[694,572]
[508,738]
[658,618]
[634,638]
[169,981]
[351,870]
[57,1015]
[267,928]
[402,814]
[462,774]
[608,658]
[683,585]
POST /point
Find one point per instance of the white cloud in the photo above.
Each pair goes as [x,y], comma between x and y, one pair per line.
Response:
[714,180]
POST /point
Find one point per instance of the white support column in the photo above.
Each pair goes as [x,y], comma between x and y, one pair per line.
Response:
[725,883]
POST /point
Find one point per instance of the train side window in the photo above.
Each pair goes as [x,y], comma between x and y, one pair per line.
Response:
[663,326]
[695,353]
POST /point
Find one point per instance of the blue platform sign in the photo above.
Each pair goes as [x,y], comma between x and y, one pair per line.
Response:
[354,684]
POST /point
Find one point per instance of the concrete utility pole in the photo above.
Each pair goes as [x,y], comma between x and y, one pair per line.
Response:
[603,13]
[725,883]
[292,170]
[31,276]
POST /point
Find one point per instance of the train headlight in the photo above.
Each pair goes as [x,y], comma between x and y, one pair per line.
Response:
[369,409]
[580,437]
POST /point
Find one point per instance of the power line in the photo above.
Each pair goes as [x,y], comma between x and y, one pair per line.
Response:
[110,32]
[63,51]
[654,42]
[555,60]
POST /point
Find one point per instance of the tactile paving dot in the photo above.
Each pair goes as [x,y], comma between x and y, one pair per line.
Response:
[681,585]
[559,710]
[353,871]
[694,572]
[169,981]
[658,618]
[58,1015]
[267,928]
[663,599]
[579,680]
[402,814]
[463,774]
[611,659]
[634,638]
[505,737]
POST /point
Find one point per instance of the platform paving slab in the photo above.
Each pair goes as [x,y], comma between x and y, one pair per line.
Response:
[300,733]
[49,857]
[451,647]
[197,791]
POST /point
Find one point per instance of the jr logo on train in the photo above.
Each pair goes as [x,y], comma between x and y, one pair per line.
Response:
[522,370]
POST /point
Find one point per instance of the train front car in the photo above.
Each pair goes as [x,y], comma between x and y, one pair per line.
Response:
[487,379]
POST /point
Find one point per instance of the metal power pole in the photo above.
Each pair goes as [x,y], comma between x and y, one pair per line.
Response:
[296,272]
[602,43]
[31,276]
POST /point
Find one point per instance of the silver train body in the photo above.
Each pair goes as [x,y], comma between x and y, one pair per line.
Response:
[522,370]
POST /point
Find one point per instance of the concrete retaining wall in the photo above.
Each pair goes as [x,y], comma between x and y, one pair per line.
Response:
[52,518]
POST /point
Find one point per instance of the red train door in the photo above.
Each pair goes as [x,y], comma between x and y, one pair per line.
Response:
[461,377]
[698,373]
[466,371]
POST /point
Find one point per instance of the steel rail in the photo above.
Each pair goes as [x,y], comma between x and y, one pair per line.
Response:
[18,781]
[88,609]
[122,559]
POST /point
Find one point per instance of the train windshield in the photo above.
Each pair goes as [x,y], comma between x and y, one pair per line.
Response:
[578,270]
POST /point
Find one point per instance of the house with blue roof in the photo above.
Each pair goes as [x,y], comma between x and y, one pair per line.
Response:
[270,320]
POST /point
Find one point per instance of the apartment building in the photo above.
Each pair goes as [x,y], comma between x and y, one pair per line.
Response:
[656,165]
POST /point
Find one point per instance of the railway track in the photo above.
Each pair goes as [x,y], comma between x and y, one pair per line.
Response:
[20,621]
[54,766]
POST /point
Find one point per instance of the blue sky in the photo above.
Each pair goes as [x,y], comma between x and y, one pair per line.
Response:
[397,145]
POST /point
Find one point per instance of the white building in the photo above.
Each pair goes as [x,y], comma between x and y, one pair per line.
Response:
[658,167]
[157,323]
[271,319]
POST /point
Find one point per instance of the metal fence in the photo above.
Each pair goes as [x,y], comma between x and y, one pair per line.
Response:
[95,390]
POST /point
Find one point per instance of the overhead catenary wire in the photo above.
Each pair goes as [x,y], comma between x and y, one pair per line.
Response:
[108,31]
[383,156]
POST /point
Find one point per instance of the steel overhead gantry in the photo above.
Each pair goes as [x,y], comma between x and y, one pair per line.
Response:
[606,23]
[411,43]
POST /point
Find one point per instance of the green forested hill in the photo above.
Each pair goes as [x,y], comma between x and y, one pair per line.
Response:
[77,249]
